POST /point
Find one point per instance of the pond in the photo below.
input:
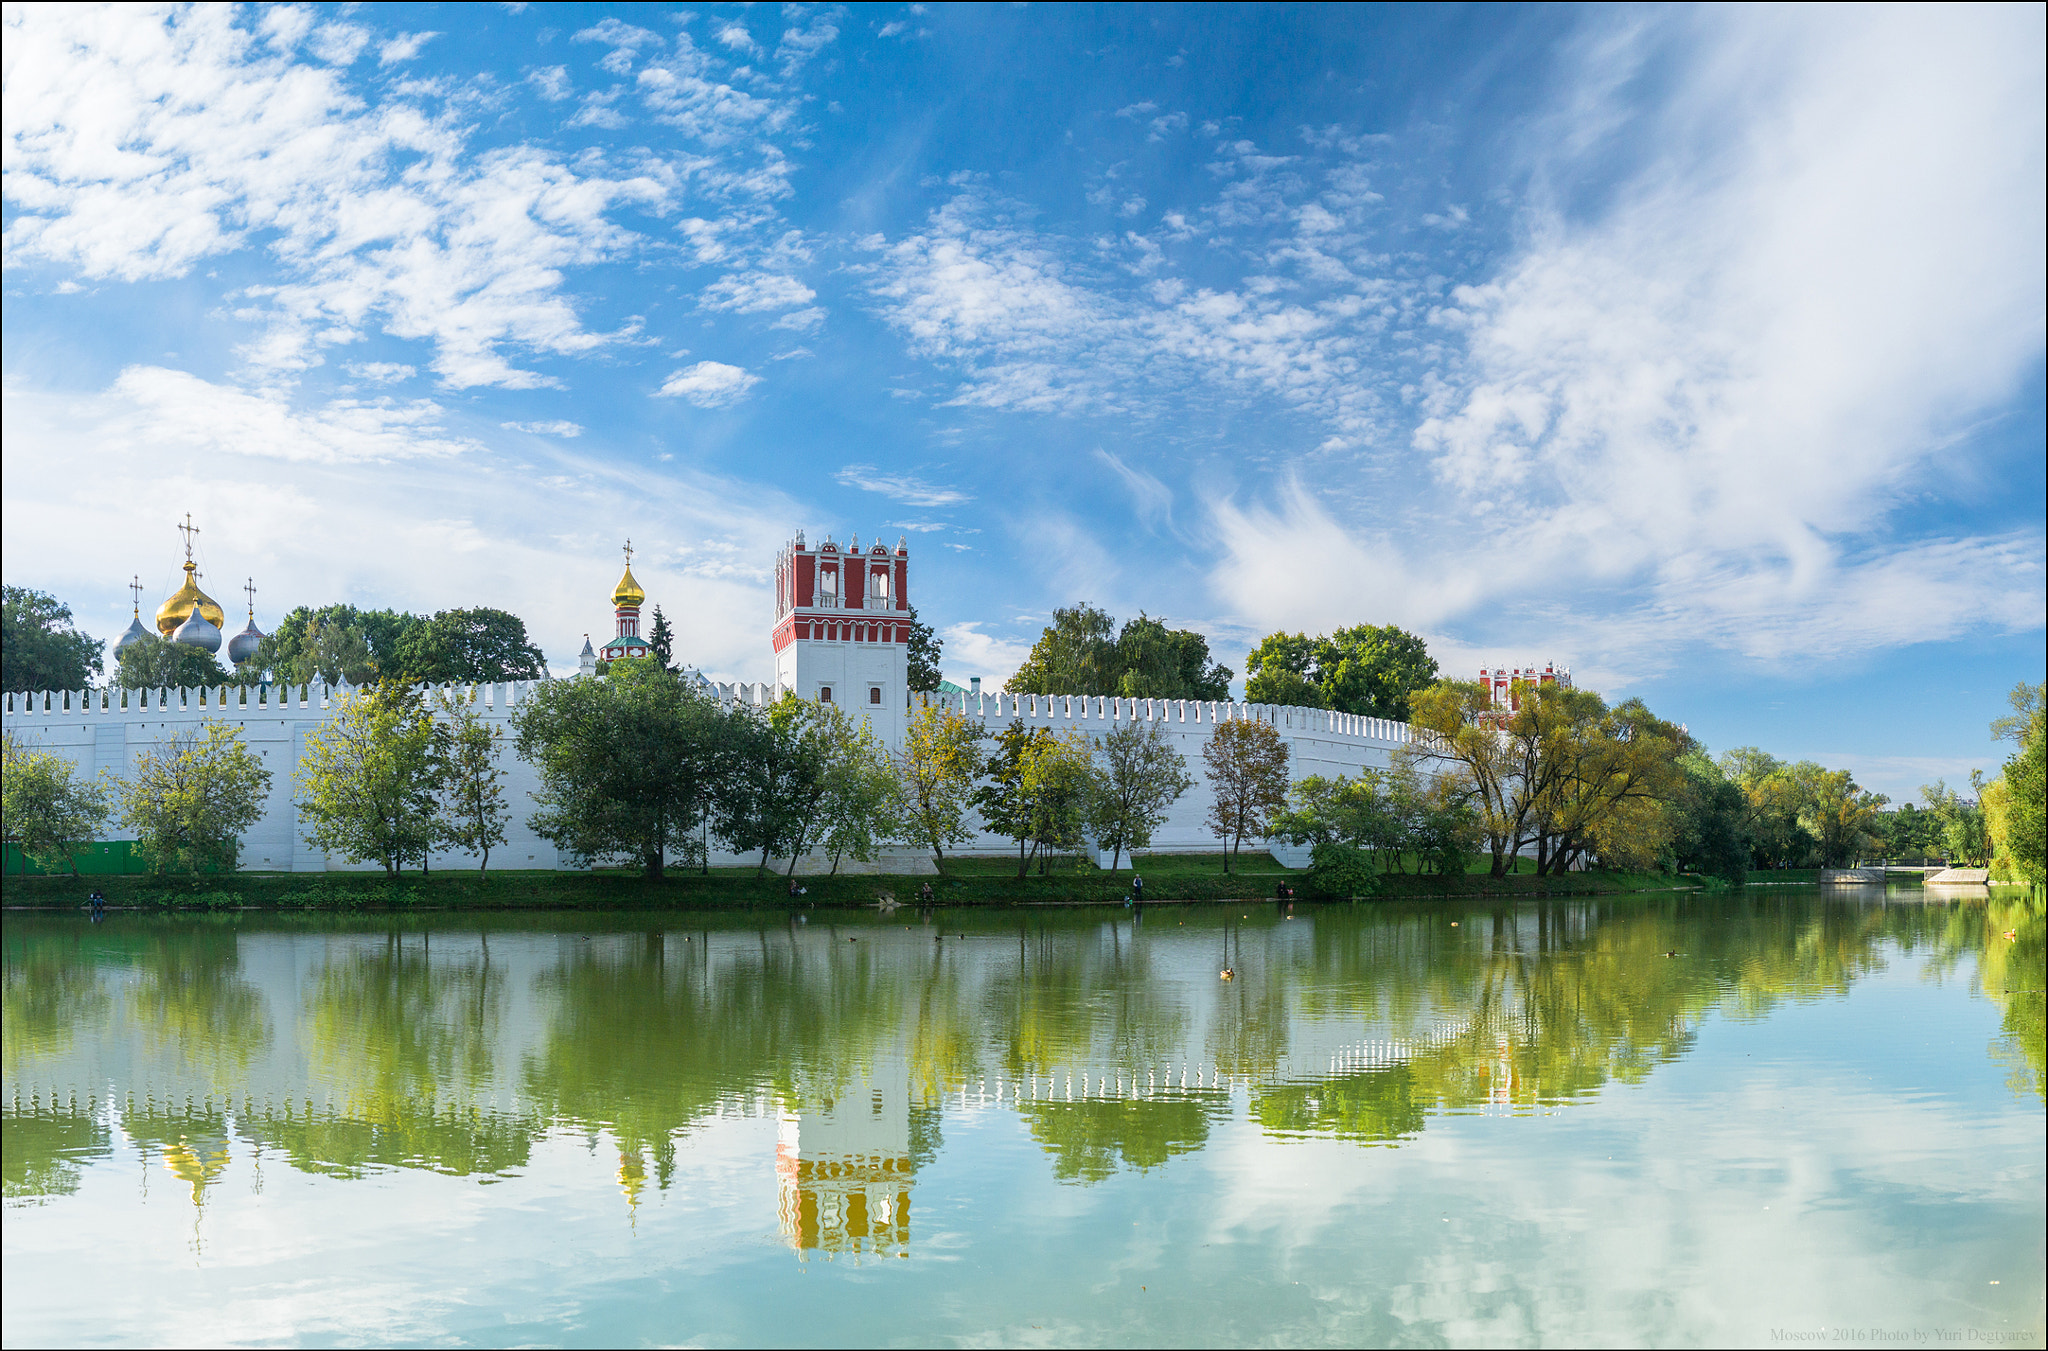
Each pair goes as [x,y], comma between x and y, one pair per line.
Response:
[1741,1119]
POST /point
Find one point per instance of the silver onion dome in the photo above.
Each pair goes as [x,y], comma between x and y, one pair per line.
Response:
[243,645]
[197,631]
[135,634]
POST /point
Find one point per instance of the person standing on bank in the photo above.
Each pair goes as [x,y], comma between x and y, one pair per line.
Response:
[1137,890]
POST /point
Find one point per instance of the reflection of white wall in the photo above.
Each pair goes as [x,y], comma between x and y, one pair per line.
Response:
[843,1164]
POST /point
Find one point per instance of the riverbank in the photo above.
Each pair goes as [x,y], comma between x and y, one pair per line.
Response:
[977,881]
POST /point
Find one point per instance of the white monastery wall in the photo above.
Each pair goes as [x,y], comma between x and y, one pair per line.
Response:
[103,730]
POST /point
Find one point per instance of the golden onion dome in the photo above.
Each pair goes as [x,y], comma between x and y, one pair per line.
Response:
[178,608]
[628,591]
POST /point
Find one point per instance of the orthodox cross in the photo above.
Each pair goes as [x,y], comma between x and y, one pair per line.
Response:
[189,530]
[251,589]
[135,585]
[629,552]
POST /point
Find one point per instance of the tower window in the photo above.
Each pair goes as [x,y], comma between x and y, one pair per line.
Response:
[824,694]
[874,694]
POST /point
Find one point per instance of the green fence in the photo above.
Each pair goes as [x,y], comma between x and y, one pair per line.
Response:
[100,859]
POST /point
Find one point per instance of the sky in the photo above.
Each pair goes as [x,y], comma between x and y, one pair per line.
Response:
[1699,350]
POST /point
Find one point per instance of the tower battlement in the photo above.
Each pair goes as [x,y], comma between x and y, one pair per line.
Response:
[841,630]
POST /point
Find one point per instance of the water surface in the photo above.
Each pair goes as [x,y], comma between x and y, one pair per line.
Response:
[1740,1120]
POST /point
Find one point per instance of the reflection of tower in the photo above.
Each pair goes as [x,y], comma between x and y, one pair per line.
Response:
[197,1161]
[845,1168]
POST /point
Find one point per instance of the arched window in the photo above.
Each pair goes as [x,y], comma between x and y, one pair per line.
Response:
[824,694]
[874,694]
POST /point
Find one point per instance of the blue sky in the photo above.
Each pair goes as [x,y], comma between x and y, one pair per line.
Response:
[1700,350]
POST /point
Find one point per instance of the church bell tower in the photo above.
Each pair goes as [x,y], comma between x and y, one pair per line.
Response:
[842,628]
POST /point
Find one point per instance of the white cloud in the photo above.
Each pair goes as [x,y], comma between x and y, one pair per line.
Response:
[734,34]
[904,488]
[970,652]
[710,384]
[204,140]
[404,47]
[552,82]
[380,372]
[752,292]
[625,42]
[558,427]
[339,43]
[449,522]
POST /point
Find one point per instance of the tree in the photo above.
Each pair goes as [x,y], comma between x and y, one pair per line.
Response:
[1774,796]
[49,809]
[661,639]
[1368,670]
[465,647]
[2021,832]
[333,641]
[1842,817]
[1706,830]
[1059,781]
[1001,799]
[937,768]
[1602,775]
[1247,769]
[192,796]
[1143,775]
[1081,652]
[922,653]
[771,796]
[367,784]
[1491,770]
[628,764]
[862,807]
[39,649]
[153,663]
[470,784]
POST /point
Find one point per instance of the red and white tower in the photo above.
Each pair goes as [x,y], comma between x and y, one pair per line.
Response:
[842,628]
[1500,681]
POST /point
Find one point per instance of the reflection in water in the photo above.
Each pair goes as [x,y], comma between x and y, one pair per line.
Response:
[347,1048]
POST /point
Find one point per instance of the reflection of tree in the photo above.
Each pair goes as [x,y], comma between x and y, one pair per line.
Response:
[49,993]
[191,1001]
[2010,971]
[1086,1139]
[651,1037]
[404,1040]
[42,1146]
[1372,1107]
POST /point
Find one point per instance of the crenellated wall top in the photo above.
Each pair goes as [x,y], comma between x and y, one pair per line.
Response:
[241,700]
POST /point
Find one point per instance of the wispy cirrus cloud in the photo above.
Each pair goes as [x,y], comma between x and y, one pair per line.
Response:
[904,488]
[709,384]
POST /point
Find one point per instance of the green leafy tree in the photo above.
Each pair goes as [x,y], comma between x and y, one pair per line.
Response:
[1246,764]
[368,781]
[1775,796]
[1000,799]
[2015,813]
[190,798]
[1603,775]
[937,768]
[1368,670]
[1060,781]
[629,765]
[469,647]
[332,641]
[1082,652]
[39,648]
[772,795]
[661,640]
[862,808]
[1143,775]
[1708,814]
[1491,771]
[1841,816]
[922,653]
[49,808]
[470,784]
[153,663]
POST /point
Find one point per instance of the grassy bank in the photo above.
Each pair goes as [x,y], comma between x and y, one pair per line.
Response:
[978,881]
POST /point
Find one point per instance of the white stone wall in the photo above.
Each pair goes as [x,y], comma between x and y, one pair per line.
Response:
[103,730]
